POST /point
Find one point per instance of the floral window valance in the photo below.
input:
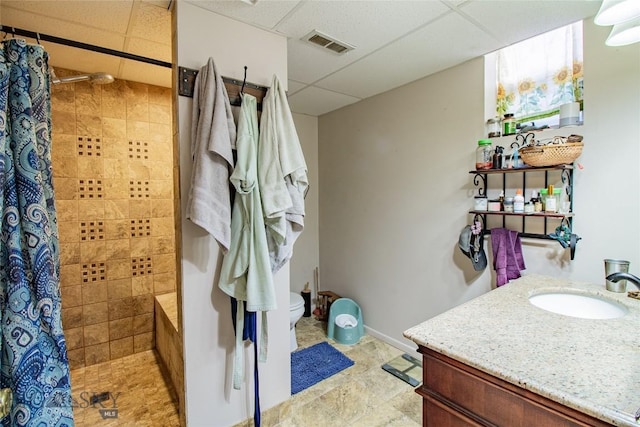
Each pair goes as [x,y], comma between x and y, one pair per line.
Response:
[538,75]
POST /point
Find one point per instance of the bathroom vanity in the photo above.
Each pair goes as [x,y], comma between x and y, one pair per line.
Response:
[498,360]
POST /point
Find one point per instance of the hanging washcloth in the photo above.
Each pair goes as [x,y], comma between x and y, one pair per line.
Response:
[213,136]
[282,172]
[507,255]
[246,273]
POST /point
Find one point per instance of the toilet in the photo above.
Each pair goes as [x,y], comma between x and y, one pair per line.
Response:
[296,310]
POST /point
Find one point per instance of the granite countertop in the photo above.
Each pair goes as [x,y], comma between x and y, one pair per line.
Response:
[589,365]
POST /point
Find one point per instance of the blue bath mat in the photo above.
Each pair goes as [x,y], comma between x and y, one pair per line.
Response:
[313,364]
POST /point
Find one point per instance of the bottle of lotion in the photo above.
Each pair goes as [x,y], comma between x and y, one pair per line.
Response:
[518,202]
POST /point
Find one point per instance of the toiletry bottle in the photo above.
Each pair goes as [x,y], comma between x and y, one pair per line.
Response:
[551,201]
[508,204]
[497,157]
[515,159]
[501,199]
[537,202]
[528,207]
[518,202]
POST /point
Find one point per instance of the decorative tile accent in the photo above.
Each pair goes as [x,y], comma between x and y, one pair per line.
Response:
[90,188]
[91,230]
[94,272]
[138,150]
[88,146]
[139,189]
[140,228]
[141,266]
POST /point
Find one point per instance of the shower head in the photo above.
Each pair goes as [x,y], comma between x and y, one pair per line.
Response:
[96,78]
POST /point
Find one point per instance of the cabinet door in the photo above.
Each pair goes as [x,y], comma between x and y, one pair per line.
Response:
[435,414]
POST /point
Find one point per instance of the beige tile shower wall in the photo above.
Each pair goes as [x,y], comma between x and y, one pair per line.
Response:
[113,175]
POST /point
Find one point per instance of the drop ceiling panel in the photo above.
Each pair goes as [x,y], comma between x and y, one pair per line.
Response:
[160,3]
[151,23]
[315,101]
[153,74]
[81,60]
[456,2]
[264,14]
[366,25]
[104,14]
[295,86]
[434,48]
[540,16]
[54,27]
[363,23]
[149,49]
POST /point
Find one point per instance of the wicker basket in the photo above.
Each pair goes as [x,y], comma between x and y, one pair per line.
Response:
[551,155]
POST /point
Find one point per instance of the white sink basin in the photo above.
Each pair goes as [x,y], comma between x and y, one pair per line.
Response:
[578,305]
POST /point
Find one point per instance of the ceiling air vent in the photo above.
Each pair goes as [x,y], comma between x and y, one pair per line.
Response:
[327,42]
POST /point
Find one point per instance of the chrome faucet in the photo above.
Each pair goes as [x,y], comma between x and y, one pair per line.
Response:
[615,277]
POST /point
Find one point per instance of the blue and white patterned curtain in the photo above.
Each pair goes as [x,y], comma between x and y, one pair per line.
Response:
[33,360]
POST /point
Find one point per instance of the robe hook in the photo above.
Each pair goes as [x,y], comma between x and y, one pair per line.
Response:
[244,81]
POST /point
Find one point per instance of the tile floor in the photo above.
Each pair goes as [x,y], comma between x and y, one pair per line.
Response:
[361,395]
[138,392]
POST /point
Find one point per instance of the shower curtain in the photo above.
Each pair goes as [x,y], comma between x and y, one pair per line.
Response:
[33,360]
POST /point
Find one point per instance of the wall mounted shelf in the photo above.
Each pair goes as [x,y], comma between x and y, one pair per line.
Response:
[563,233]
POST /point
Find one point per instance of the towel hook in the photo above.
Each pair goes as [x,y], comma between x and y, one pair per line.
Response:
[244,81]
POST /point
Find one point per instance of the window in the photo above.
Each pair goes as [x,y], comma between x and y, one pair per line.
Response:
[536,76]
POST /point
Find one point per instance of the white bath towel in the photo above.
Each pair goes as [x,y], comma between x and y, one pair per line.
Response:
[282,174]
[213,136]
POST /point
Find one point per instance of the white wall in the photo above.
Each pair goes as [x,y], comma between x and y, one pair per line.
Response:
[306,255]
[207,328]
[395,190]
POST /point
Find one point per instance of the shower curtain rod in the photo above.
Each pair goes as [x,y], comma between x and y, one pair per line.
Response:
[72,43]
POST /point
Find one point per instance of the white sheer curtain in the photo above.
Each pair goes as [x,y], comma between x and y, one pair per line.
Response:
[536,76]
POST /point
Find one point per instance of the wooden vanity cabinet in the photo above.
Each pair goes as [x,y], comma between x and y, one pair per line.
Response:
[457,395]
